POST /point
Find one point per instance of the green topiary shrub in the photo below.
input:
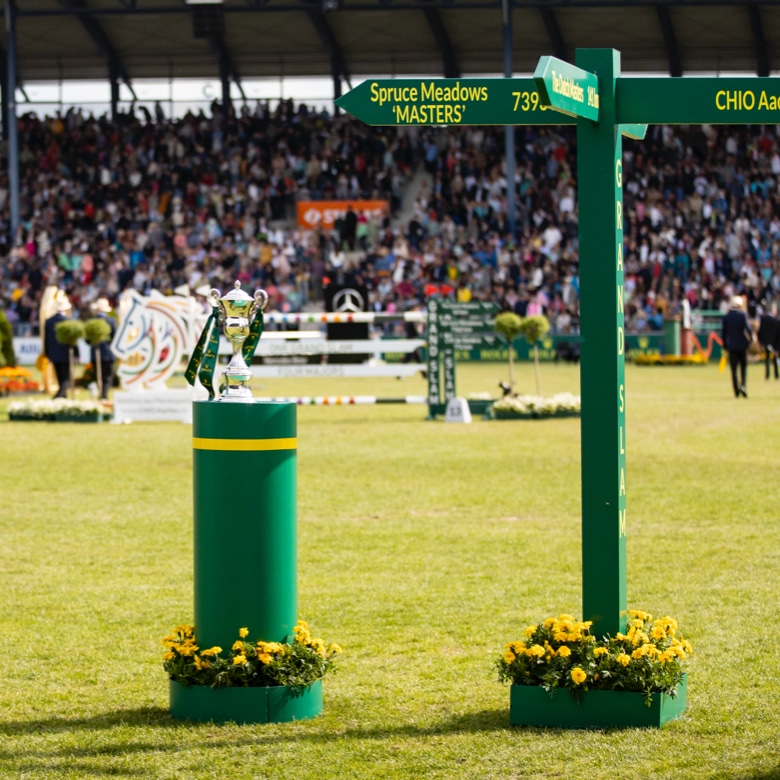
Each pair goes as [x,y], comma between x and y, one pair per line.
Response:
[7,356]
[96,331]
[69,332]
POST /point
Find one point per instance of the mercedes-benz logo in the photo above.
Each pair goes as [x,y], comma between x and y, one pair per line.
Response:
[348,300]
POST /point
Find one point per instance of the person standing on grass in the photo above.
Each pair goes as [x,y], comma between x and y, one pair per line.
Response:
[58,354]
[737,335]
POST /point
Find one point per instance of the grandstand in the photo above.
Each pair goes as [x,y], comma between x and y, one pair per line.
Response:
[140,200]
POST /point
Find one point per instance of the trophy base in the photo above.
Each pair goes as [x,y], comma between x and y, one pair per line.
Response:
[236,385]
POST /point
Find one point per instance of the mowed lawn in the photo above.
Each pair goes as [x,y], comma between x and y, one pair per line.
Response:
[423,548]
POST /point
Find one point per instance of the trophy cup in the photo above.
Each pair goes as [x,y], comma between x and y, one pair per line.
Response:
[237,311]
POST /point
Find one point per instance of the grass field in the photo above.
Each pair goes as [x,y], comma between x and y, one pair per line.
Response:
[423,548]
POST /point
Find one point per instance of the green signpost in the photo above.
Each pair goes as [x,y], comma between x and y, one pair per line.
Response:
[605,107]
[567,89]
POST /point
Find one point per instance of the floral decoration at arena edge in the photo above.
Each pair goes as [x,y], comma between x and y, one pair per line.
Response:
[562,653]
[248,664]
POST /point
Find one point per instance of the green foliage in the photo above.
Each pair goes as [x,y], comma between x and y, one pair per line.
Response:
[508,325]
[562,653]
[7,356]
[69,332]
[534,327]
[96,331]
[256,664]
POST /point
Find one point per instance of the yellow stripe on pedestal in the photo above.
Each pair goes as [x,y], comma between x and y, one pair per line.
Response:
[244,445]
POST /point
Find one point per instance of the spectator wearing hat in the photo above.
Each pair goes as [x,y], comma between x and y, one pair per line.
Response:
[102,352]
[56,353]
[737,335]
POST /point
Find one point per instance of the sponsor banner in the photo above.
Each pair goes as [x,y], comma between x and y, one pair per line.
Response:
[324,213]
[154,405]
[27,349]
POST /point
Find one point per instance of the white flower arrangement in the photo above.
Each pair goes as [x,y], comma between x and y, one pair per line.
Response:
[534,405]
[48,409]
[483,396]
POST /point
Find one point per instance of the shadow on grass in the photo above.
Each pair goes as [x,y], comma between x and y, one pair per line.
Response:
[159,718]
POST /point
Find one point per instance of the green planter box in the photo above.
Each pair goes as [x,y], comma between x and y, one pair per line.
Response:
[24,417]
[499,414]
[79,418]
[534,706]
[480,406]
[245,705]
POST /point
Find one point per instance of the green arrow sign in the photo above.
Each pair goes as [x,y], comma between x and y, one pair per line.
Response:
[717,101]
[449,102]
[567,88]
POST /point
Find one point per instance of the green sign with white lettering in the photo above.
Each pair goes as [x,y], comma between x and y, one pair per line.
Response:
[568,89]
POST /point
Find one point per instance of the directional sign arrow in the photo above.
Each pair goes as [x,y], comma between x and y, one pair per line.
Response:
[449,102]
[567,88]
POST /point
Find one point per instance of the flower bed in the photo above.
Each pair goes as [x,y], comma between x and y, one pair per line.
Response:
[670,360]
[60,410]
[641,668]
[17,380]
[530,407]
[254,682]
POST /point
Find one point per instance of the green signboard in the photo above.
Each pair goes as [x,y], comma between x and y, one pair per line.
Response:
[716,101]
[567,89]
[449,102]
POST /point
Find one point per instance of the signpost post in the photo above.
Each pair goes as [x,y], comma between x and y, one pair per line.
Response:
[605,107]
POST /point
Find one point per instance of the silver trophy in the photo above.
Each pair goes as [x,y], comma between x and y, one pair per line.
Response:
[237,311]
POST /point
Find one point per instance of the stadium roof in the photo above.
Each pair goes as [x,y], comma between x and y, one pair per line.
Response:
[348,39]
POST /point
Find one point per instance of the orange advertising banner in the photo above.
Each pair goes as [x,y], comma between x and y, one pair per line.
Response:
[312,213]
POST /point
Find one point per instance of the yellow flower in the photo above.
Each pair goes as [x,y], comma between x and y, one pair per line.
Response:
[237,645]
[529,632]
[264,658]
[238,660]
[212,651]
[623,659]
[517,647]
[564,652]
[600,651]
[560,636]
[509,656]
[639,652]
[243,632]
[336,649]
[199,664]
[167,656]
[578,676]
[536,650]
[665,657]
[549,623]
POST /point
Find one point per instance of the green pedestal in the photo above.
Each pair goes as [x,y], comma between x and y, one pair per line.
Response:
[672,340]
[534,706]
[245,705]
[244,474]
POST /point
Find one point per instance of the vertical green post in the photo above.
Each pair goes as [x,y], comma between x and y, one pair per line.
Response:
[602,368]
[245,518]
[434,357]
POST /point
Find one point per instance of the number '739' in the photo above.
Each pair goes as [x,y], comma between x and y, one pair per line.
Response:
[527,101]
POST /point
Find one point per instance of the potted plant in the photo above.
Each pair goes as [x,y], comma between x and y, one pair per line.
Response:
[562,675]
[97,331]
[253,682]
[534,328]
[510,326]
[69,332]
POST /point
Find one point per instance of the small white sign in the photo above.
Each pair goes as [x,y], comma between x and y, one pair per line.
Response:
[153,405]
[458,411]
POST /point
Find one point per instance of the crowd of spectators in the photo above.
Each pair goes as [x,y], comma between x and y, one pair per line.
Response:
[175,205]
